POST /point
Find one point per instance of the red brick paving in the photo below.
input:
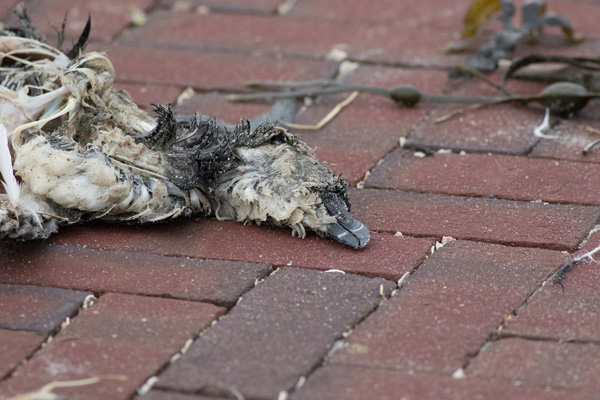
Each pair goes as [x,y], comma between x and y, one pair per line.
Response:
[485,303]
[108,19]
[471,133]
[557,226]
[305,37]
[136,273]
[540,364]
[508,177]
[448,308]
[436,13]
[137,64]
[387,255]
[146,95]
[572,138]
[215,104]
[132,336]
[253,348]
[16,346]
[566,313]
[341,382]
[37,309]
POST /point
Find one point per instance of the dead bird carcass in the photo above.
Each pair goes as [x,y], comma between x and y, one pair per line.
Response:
[83,150]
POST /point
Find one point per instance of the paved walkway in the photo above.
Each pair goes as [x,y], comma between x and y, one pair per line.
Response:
[218,309]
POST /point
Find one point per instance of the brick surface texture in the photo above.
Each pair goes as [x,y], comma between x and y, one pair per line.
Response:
[471,215]
[448,307]
[15,346]
[127,337]
[539,364]
[37,309]
[337,382]
[137,273]
[252,350]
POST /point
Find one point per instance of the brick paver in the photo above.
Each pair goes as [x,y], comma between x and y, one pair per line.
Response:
[205,70]
[38,309]
[131,336]
[215,104]
[448,308]
[276,334]
[295,37]
[340,382]
[567,312]
[518,223]
[519,207]
[386,256]
[219,282]
[108,19]
[414,14]
[15,346]
[147,94]
[508,177]
[541,364]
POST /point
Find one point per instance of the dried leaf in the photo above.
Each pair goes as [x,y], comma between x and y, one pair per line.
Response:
[478,14]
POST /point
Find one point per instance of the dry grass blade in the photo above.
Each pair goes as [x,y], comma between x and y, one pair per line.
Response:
[483,78]
[45,392]
[462,110]
[328,118]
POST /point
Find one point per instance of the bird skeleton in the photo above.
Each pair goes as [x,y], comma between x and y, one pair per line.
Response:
[82,149]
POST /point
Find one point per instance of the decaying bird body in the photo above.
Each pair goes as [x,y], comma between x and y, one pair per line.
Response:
[83,150]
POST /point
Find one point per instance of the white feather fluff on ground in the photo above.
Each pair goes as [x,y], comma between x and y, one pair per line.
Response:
[82,148]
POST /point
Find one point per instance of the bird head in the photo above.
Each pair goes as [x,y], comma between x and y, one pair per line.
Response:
[346,229]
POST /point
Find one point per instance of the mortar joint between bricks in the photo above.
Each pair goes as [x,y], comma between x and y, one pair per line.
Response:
[338,344]
[497,333]
[51,335]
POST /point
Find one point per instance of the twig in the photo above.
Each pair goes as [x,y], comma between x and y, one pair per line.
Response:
[589,147]
[292,84]
[331,115]
[483,78]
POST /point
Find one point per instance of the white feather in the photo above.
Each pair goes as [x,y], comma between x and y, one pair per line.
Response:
[6,169]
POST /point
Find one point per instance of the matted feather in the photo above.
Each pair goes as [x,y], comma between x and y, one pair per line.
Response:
[6,169]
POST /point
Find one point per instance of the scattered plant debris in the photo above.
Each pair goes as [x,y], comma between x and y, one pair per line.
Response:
[46,391]
[501,44]
[562,98]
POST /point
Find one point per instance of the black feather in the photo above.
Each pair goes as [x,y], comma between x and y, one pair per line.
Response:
[163,136]
[82,41]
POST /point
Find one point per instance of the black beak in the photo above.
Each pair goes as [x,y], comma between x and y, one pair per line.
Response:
[347,230]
